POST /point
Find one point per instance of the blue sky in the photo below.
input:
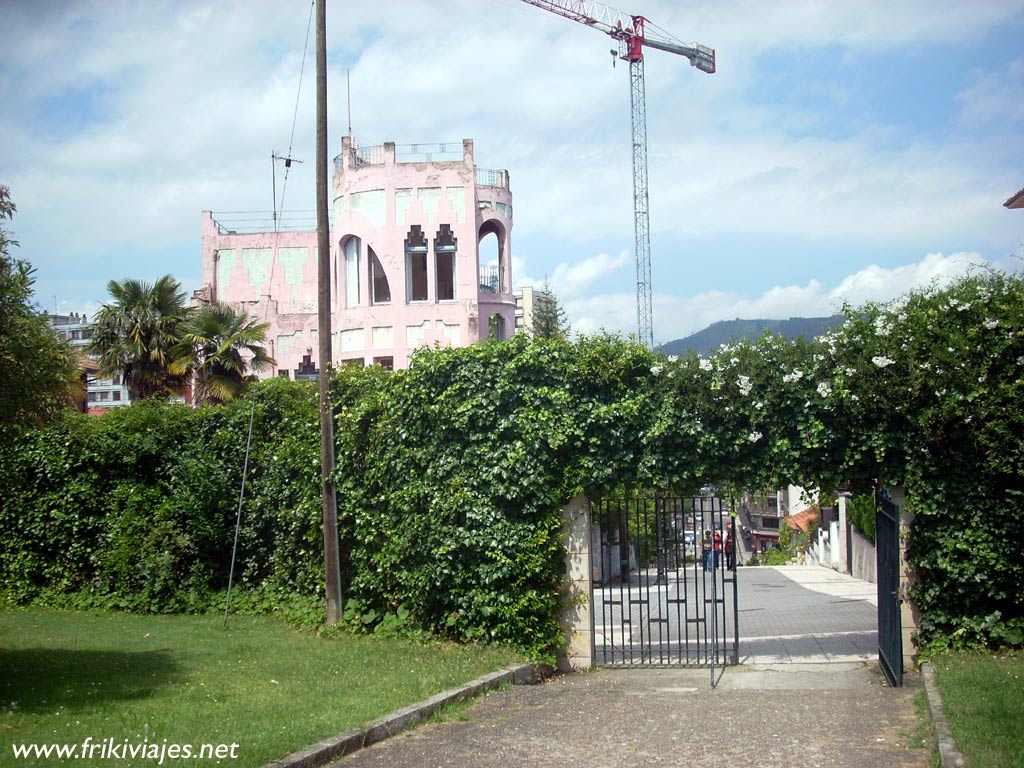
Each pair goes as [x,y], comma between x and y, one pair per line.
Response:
[843,151]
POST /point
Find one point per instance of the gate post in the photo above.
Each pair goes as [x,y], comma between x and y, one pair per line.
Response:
[577,595]
[908,612]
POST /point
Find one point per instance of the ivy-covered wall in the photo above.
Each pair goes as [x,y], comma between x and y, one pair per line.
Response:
[451,475]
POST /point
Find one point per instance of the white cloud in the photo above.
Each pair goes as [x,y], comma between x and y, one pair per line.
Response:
[995,97]
[182,104]
[679,316]
[877,284]
[573,281]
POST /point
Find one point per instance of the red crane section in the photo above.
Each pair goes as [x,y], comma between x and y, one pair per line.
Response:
[630,30]
[633,33]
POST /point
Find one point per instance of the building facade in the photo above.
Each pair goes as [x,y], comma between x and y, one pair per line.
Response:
[406,266]
[102,394]
[530,302]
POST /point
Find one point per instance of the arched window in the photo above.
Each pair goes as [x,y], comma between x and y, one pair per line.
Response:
[496,328]
[380,290]
[352,249]
[490,248]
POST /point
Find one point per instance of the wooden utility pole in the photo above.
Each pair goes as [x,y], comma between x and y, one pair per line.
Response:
[331,560]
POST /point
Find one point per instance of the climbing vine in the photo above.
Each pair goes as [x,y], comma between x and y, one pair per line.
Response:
[451,475]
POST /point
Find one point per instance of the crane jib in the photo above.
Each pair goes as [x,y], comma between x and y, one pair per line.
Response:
[632,36]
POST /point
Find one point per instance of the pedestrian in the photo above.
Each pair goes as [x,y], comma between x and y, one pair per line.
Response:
[706,550]
[730,551]
[718,548]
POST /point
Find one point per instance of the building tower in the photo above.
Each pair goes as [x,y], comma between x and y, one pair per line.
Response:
[406,269]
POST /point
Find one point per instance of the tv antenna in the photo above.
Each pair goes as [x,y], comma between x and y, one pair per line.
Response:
[288,160]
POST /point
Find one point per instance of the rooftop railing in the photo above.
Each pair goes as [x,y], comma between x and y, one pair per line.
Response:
[361,157]
[253,222]
[485,177]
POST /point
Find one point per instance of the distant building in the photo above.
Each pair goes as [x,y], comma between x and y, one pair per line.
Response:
[530,302]
[1016,200]
[101,393]
[764,514]
[406,271]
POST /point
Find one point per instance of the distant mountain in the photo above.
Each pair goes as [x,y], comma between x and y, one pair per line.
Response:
[726,331]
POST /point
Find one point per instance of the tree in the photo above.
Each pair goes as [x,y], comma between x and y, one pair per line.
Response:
[134,334]
[549,320]
[38,369]
[220,345]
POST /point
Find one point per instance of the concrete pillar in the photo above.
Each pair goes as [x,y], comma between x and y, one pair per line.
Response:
[577,611]
[844,566]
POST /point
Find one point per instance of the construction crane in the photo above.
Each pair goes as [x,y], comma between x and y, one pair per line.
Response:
[633,32]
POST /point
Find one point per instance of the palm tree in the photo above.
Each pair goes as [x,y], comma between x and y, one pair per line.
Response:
[134,334]
[220,346]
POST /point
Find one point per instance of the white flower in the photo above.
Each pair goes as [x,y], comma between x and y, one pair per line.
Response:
[824,389]
[991,324]
[754,436]
[882,361]
[758,405]
[706,365]
[673,358]
[796,375]
[656,369]
[882,325]
[743,382]
[850,371]
[1020,360]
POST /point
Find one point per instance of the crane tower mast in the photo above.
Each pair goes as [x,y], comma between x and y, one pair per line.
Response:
[633,32]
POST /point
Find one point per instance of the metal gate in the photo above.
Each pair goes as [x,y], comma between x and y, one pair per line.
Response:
[890,627]
[664,582]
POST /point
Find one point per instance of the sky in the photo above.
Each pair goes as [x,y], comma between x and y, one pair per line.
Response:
[843,151]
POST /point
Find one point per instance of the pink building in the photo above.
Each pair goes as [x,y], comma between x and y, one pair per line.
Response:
[406,270]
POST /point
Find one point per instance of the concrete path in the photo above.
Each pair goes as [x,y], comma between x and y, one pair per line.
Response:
[827,716]
[806,614]
[804,696]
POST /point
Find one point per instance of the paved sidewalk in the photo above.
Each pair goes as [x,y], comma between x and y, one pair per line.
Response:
[809,693]
[805,613]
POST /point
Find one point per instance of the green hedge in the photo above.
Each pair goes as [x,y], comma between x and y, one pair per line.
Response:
[451,475]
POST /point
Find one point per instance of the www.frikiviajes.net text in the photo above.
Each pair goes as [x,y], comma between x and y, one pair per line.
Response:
[114,749]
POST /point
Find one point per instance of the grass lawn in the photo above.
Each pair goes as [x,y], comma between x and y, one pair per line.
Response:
[67,676]
[983,699]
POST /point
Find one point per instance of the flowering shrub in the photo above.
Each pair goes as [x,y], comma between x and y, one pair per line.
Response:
[451,475]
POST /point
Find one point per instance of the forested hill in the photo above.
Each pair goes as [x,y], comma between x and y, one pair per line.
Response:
[725,331]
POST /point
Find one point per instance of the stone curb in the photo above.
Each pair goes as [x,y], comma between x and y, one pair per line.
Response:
[948,754]
[351,741]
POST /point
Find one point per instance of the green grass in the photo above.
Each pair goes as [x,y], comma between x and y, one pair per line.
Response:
[66,676]
[983,699]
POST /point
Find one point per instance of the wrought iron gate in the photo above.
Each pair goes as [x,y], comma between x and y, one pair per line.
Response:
[890,627]
[664,582]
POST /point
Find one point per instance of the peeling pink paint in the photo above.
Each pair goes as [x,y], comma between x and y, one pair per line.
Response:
[409,215]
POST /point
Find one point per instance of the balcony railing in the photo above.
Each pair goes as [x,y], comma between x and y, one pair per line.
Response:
[492,278]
